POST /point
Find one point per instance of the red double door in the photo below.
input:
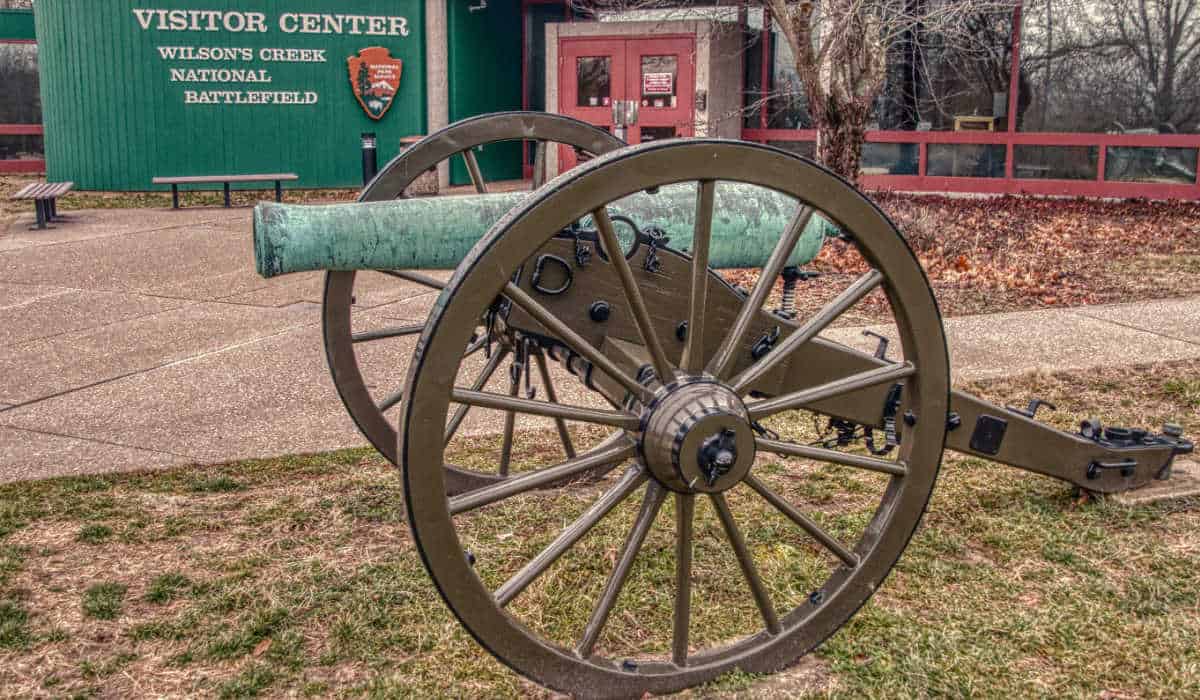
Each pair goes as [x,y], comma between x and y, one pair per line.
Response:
[640,89]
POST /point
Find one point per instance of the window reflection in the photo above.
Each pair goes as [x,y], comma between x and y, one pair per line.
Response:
[1055,162]
[1109,66]
[1154,165]
[965,160]
[593,75]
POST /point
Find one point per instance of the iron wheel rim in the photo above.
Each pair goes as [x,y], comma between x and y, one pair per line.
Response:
[501,253]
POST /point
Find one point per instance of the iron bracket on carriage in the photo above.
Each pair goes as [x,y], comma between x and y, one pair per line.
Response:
[605,278]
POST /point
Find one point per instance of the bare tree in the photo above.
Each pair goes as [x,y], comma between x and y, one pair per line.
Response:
[1116,63]
[841,50]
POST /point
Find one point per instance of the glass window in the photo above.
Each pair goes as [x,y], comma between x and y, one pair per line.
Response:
[658,81]
[890,158]
[932,83]
[1159,165]
[804,149]
[21,147]
[593,74]
[536,19]
[965,160]
[1056,162]
[21,102]
[1101,66]
[754,92]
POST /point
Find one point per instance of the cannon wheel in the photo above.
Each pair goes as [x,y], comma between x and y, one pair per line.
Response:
[514,628]
[456,140]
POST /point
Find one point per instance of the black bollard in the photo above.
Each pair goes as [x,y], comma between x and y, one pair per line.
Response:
[370,157]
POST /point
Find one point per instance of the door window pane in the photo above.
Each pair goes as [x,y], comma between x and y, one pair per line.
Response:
[658,81]
[594,78]
[654,133]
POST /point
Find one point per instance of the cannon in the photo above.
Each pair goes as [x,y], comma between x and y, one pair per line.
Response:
[683,389]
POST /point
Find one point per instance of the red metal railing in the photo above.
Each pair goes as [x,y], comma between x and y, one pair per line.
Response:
[24,165]
[1009,183]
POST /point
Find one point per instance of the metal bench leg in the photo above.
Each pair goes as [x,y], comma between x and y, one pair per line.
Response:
[174,196]
[278,191]
[227,204]
[39,205]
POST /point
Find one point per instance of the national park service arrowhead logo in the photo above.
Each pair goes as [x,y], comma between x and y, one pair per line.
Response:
[375,79]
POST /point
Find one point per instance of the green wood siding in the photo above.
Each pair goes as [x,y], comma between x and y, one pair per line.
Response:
[114,119]
[16,24]
[484,57]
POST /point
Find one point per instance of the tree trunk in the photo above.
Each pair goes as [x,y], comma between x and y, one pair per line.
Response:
[841,132]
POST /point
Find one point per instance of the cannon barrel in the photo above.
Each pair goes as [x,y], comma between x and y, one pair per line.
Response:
[436,233]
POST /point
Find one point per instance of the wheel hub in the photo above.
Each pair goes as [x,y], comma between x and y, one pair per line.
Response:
[697,438]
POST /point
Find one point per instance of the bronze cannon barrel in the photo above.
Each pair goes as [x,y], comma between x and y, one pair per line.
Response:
[436,233]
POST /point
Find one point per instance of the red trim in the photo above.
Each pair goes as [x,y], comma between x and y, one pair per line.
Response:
[1022,138]
[18,41]
[1100,187]
[1069,188]
[1014,76]
[21,130]
[22,166]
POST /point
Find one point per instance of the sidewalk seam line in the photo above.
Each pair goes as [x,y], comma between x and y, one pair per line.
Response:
[101,326]
[153,368]
[1136,328]
[100,441]
[114,235]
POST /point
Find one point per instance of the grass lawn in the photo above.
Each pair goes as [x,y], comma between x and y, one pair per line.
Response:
[297,576]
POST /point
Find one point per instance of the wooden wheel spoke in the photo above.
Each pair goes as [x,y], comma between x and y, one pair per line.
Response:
[720,363]
[843,302]
[633,294]
[864,380]
[651,503]
[474,171]
[539,164]
[481,381]
[613,452]
[501,402]
[410,276]
[693,351]
[390,402]
[840,551]
[761,598]
[685,508]
[382,333]
[575,341]
[563,435]
[629,482]
[884,466]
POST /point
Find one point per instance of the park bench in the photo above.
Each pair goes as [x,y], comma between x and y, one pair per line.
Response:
[44,196]
[175,182]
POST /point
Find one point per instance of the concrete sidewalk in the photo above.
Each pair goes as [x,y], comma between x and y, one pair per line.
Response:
[137,339]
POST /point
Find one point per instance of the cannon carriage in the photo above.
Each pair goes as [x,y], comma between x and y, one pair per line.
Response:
[600,286]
